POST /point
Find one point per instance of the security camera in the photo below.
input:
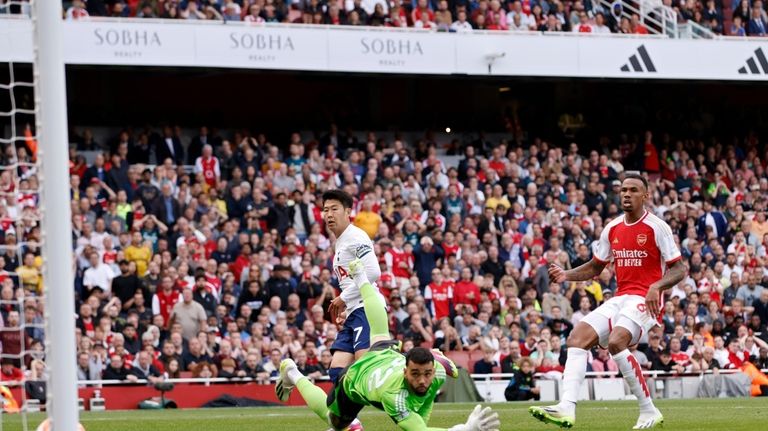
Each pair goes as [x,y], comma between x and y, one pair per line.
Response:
[494,55]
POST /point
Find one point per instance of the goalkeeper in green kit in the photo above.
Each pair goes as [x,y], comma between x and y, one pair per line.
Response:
[403,386]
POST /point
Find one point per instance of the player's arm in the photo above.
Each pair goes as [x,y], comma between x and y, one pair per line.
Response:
[426,410]
[396,406]
[587,271]
[675,272]
[601,255]
[364,252]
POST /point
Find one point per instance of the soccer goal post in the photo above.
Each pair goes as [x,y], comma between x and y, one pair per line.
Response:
[51,120]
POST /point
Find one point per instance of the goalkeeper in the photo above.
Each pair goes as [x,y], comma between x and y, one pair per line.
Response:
[404,387]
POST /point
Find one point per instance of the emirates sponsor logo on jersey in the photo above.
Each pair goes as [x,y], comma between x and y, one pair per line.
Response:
[629,258]
[642,239]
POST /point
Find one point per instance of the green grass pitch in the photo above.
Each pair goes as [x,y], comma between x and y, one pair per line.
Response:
[705,414]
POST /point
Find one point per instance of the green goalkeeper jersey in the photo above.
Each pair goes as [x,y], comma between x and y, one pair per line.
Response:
[377,379]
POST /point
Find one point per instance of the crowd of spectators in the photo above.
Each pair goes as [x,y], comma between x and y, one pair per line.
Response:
[743,17]
[584,16]
[222,268]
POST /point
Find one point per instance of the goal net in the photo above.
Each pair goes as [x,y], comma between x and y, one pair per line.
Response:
[37,351]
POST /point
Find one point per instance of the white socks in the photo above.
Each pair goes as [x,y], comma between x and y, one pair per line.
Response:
[633,375]
[573,377]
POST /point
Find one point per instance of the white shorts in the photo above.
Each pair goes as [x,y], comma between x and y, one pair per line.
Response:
[627,311]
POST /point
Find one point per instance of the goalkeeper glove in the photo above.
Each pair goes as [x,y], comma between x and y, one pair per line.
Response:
[483,419]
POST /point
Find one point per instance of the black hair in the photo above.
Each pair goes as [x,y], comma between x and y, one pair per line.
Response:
[419,355]
[637,177]
[338,195]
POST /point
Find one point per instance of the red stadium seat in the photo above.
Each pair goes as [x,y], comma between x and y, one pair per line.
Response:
[185,375]
[461,359]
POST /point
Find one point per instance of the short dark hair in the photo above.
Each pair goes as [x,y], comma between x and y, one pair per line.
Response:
[637,177]
[338,195]
[419,355]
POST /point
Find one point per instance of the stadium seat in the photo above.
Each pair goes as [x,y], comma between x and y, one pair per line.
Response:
[185,375]
[461,359]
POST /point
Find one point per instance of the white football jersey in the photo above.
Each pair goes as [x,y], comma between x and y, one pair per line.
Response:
[353,244]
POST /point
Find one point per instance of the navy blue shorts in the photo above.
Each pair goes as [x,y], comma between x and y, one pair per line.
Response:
[354,335]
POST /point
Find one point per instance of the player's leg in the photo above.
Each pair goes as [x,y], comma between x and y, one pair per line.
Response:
[375,309]
[594,329]
[627,332]
[342,412]
[290,377]
[340,359]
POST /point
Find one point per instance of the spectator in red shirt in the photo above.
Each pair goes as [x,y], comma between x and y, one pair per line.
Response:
[466,292]
[440,293]
[651,163]
[422,9]
[9,372]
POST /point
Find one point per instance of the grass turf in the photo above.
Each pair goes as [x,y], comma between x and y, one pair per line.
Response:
[705,414]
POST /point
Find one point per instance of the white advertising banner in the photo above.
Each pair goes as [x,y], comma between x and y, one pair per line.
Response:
[516,55]
[261,47]
[673,59]
[16,41]
[113,43]
[376,50]
[383,51]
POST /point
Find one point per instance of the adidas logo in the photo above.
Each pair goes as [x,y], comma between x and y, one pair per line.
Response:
[634,63]
[752,66]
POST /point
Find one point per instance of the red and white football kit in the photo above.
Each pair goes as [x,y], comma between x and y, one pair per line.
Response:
[641,253]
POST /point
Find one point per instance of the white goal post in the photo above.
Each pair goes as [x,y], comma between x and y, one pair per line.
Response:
[51,116]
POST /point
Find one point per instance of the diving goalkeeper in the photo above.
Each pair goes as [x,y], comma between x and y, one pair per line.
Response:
[403,386]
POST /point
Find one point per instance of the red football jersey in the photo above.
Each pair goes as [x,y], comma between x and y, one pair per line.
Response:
[394,257]
[640,251]
[441,295]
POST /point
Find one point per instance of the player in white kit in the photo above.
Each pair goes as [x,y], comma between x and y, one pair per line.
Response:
[353,340]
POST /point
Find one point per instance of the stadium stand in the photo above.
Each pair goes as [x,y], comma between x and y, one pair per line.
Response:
[205,255]
[719,17]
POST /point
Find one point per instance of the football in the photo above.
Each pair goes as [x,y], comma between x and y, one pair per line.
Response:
[46,426]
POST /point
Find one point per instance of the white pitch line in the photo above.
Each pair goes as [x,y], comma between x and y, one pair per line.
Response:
[301,412]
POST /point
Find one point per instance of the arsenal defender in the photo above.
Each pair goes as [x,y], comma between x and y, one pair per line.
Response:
[647,262]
